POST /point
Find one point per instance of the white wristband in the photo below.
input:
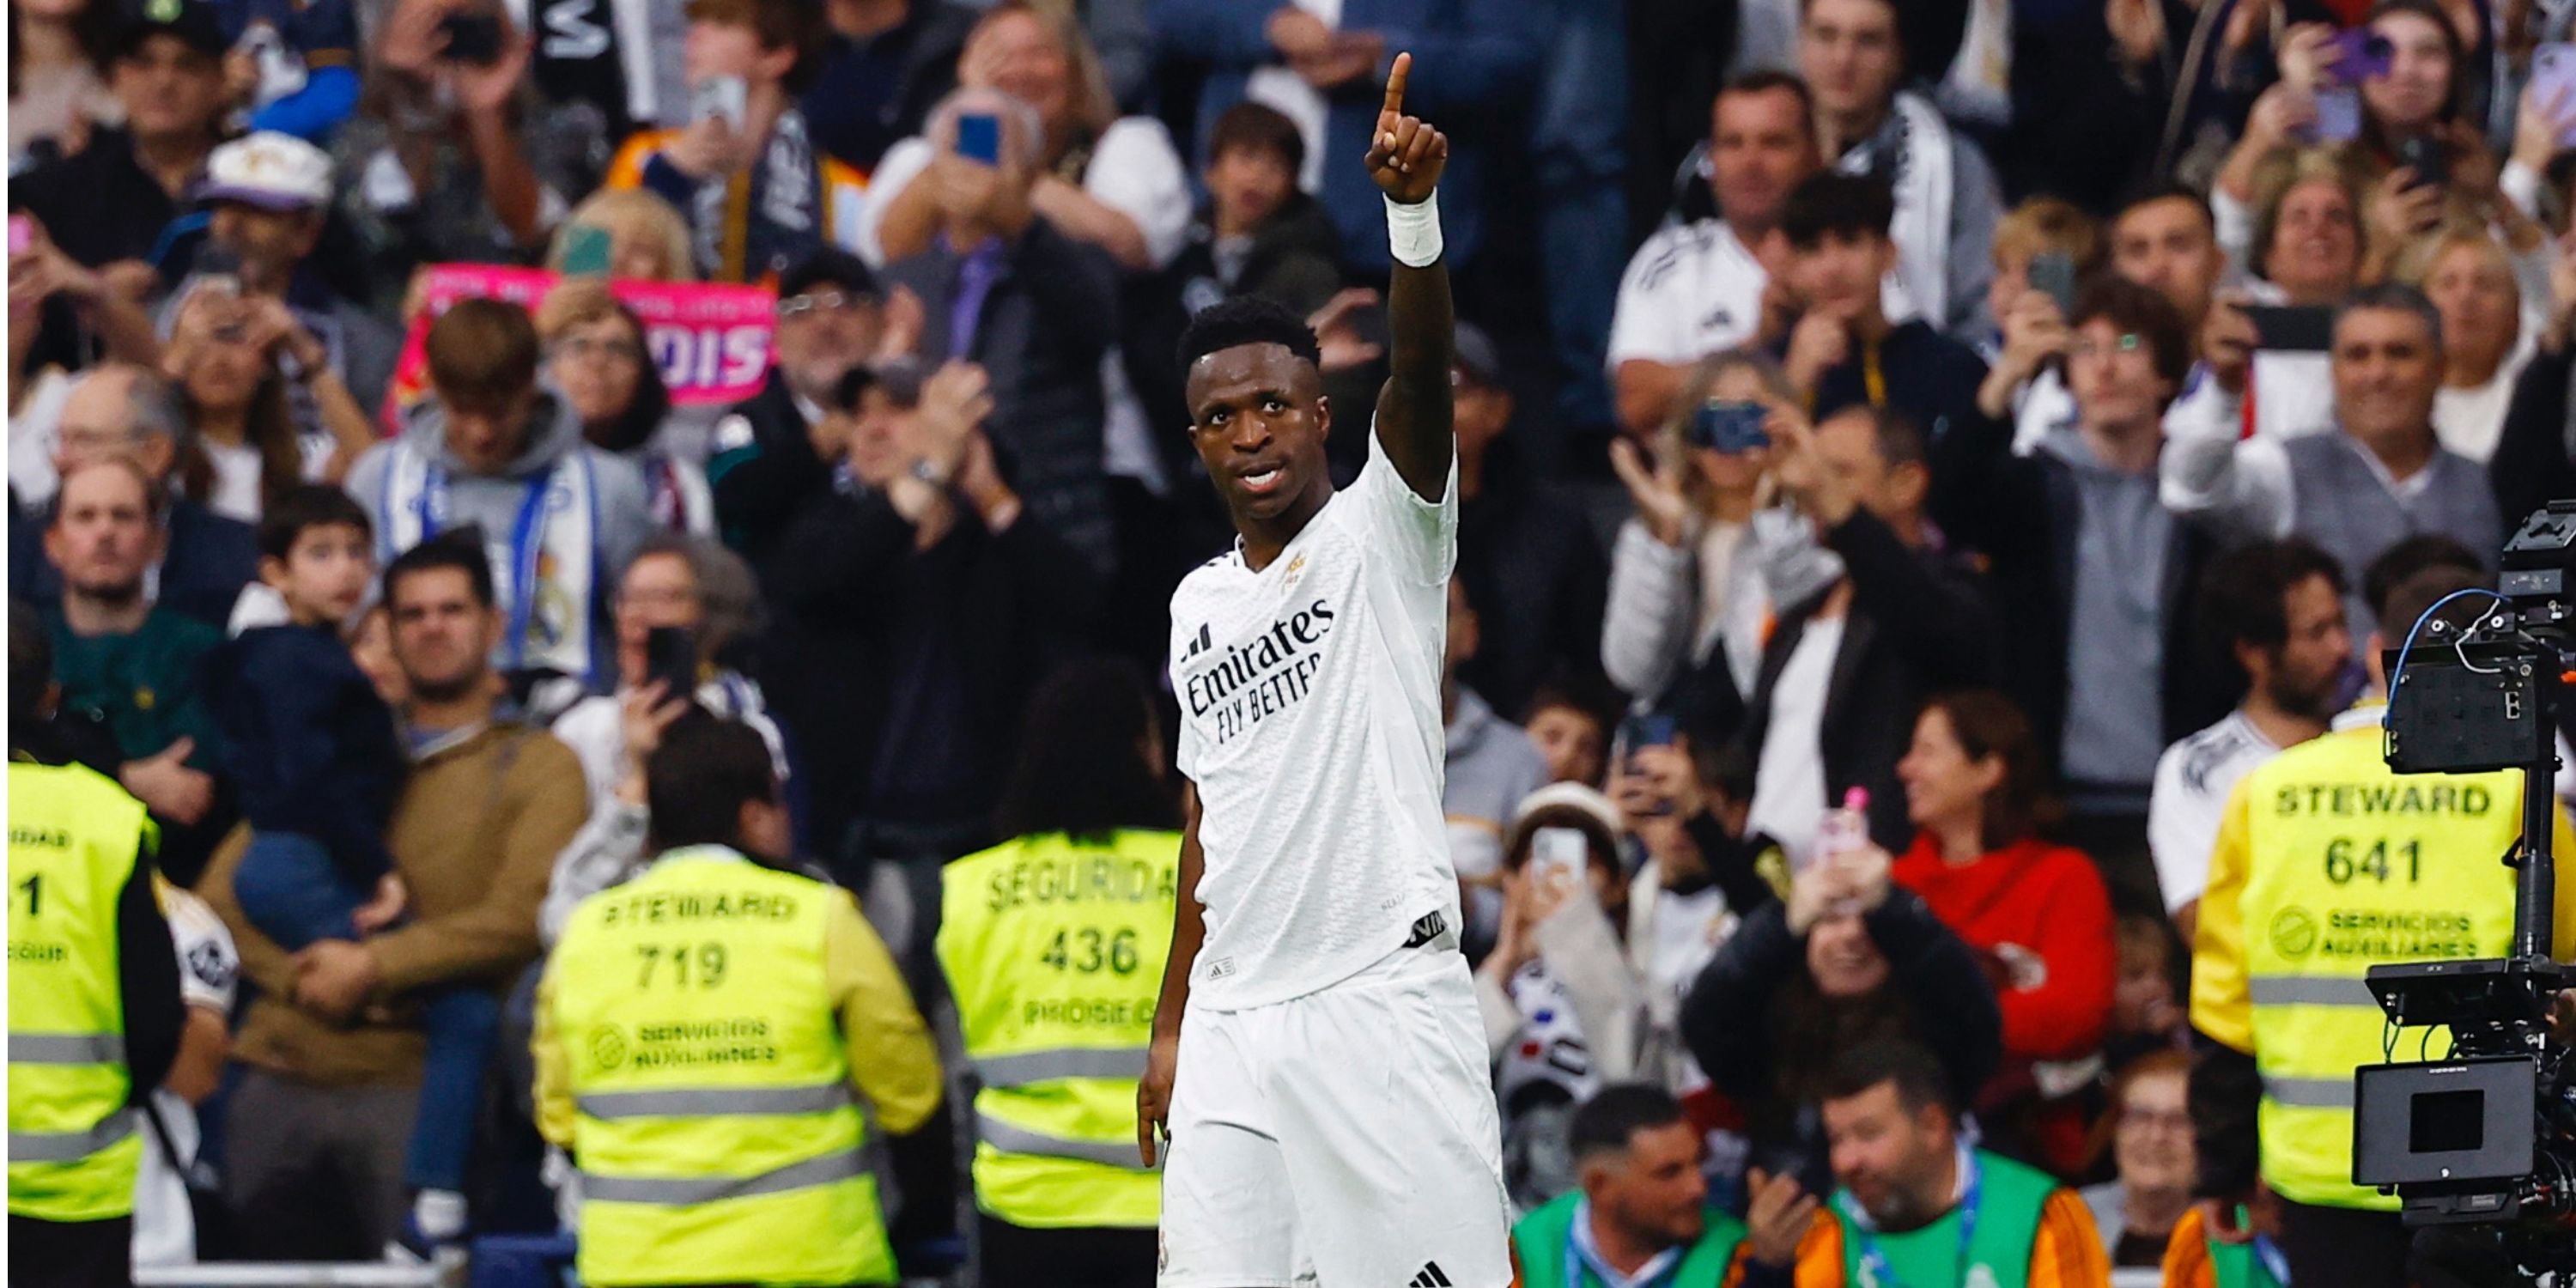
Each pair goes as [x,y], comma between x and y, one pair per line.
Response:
[1413,232]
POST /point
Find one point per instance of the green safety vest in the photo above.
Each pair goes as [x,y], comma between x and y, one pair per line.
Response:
[1054,948]
[2008,1203]
[75,838]
[2355,866]
[714,1122]
[2234,1265]
[1544,1238]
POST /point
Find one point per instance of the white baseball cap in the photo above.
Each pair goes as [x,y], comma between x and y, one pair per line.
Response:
[270,170]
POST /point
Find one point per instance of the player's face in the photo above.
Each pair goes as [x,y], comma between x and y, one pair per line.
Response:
[1658,1195]
[1258,417]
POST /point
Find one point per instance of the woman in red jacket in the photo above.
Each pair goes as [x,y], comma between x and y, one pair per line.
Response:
[2037,912]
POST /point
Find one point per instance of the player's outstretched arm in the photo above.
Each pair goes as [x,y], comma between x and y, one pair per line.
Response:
[1189,929]
[1406,156]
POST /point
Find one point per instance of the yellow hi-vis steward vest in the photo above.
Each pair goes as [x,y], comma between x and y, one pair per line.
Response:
[1055,948]
[714,1125]
[2352,865]
[75,838]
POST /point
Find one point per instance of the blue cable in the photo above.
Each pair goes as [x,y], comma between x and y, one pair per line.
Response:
[2409,646]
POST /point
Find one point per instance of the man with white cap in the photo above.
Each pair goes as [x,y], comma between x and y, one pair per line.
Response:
[266,196]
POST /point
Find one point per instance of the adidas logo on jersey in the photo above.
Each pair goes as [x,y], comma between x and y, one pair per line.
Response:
[1198,645]
[1430,1277]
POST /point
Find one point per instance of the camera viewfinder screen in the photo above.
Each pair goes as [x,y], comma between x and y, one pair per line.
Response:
[2447,1122]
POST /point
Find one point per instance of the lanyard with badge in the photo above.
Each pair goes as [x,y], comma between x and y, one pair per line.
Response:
[1873,1259]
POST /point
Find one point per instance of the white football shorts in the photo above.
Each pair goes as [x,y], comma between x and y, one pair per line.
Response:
[1345,1139]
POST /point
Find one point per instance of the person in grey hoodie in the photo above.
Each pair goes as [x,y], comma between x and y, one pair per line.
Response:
[494,449]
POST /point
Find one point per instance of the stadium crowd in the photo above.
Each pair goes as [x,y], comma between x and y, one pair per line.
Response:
[2124,375]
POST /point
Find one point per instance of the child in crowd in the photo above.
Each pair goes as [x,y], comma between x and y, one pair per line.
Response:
[1260,235]
[311,743]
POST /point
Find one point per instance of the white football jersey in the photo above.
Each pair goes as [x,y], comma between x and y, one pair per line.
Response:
[1310,721]
[2193,780]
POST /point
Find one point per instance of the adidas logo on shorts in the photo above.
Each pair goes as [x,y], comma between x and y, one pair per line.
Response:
[1430,1277]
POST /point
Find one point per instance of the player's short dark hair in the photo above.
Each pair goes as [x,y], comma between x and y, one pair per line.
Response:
[1257,127]
[1837,205]
[2410,599]
[2413,555]
[1918,1075]
[2144,312]
[303,507]
[1248,319]
[2243,594]
[697,781]
[1615,1114]
[458,549]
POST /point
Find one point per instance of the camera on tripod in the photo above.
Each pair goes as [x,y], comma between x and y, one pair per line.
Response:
[2486,1135]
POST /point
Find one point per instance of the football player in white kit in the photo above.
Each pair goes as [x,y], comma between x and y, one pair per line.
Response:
[1317,1084]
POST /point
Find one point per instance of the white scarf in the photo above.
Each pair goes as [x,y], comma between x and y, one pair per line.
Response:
[544,570]
[1913,153]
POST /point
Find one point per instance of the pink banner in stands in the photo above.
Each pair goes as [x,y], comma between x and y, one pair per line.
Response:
[710,341]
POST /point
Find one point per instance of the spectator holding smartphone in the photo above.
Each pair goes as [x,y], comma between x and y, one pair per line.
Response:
[1557,992]
[759,194]
[2380,476]
[698,601]
[2088,567]
[455,156]
[1845,958]
[1689,603]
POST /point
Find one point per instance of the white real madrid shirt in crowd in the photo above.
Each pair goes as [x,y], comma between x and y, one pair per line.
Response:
[1310,722]
[1695,289]
[1789,781]
[2193,779]
[165,1229]
[1282,89]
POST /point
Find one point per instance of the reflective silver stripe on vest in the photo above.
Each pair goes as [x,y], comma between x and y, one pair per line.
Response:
[685,1191]
[66,1048]
[1020,1140]
[717,1102]
[1063,1062]
[2310,990]
[70,1146]
[2309,1093]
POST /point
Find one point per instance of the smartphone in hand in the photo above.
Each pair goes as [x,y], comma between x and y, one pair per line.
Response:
[1555,850]
[586,251]
[725,98]
[2291,328]
[2053,273]
[979,137]
[671,657]
[1730,428]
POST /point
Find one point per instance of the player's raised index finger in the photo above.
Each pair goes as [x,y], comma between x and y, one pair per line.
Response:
[1395,83]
